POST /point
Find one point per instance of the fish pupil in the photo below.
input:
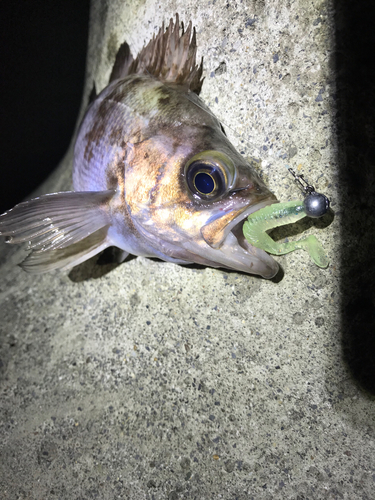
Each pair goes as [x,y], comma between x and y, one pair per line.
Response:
[205,179]
[204,183]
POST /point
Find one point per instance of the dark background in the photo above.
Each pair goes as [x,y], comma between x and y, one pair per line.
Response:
[355,121]
[43,47]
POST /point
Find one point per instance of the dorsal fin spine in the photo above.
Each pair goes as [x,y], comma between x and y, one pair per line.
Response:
[168,56]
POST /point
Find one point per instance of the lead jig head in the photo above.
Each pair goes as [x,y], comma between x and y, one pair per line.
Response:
[316,204]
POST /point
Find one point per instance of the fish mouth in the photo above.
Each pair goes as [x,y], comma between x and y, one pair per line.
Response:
[235,252]
[261,262]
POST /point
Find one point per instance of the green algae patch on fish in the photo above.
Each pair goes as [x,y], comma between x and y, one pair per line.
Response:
[258,223]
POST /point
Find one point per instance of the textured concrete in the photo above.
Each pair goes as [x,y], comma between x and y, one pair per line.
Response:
[154,381]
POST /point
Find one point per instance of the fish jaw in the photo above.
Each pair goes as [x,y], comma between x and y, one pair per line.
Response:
[182,240]
[234,251]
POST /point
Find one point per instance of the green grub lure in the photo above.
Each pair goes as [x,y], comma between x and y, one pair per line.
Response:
[314,205]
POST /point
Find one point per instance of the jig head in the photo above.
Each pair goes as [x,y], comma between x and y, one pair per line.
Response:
[316,204]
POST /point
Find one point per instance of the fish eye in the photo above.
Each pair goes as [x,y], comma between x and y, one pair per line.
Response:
[205,180]
[209,174]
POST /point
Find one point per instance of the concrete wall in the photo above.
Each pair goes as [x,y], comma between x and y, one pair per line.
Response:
[150,380]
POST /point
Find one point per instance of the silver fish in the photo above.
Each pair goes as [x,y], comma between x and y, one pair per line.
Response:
[154,174]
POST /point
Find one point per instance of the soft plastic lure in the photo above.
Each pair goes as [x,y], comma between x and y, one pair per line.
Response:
[314,205]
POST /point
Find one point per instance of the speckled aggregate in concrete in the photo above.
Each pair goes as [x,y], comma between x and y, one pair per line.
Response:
[155,381]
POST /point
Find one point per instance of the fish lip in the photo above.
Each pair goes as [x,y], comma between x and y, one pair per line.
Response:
[269,266]
[217,229]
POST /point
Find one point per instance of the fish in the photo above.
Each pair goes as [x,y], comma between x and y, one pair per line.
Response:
[154,174]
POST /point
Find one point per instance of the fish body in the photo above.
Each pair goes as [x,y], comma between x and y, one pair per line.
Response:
[154,174]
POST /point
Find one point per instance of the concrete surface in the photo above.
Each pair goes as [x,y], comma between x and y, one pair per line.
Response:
[154,381]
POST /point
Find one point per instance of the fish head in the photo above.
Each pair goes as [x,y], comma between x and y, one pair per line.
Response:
[189,198]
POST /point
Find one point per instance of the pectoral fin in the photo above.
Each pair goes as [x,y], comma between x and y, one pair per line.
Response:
[63,229]
[65,258]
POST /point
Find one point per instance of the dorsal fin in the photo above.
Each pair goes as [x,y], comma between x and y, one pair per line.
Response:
[168,56]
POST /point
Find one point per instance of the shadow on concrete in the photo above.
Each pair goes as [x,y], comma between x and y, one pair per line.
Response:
[355,69]
[102,264]
[98,266]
